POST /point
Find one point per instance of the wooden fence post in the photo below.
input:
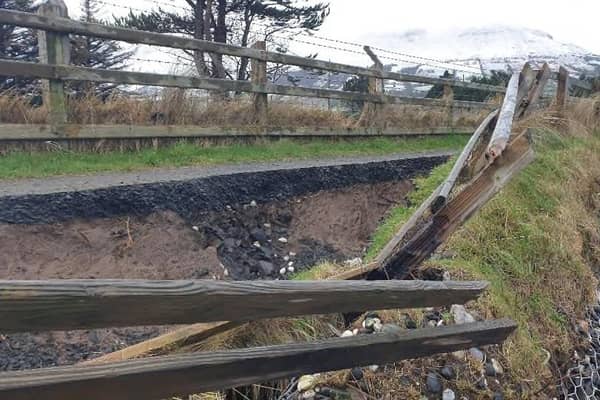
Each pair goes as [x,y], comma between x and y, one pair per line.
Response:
[259,77]
[449,99]
[371,111]
[54,48]
[562,91]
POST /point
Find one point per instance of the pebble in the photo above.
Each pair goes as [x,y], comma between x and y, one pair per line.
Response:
[493,368]
[195,228]
[286,258]
[410,324]
[460,315]
[306,382]
[282,271]
[448,395]
[282,240]
[476,354]
[482,383]
[357,374]
[292,254]
[434,385]
[291,264]
[309,394]
[267,225]
[290,269]
[374,368]
[372,324]
[226,272]
[391,328]
[347,334]
[448,372]
[355,262]
[253,203]
[256,244]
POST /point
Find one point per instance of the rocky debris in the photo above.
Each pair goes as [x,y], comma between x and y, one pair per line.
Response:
[493,368]
[253,242]
[353,263]
[347,334]
[582,381]
[448,395]
[433,383]
[357,373]
[460,315]
[391,328]
[448,372]
[372,323]
[307,382]
[477,355]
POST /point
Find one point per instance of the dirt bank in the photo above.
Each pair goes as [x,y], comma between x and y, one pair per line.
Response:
[201,229]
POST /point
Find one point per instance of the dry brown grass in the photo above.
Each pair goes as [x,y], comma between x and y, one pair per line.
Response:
[181,107]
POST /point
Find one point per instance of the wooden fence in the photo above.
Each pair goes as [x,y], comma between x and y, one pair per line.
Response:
[55,27]
[83,304]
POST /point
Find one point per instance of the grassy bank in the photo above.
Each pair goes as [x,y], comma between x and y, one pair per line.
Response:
[27,165]
[538,244]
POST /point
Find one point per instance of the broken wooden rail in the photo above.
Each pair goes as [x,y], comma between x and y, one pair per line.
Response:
[96,303]
[167,376]
[79,304]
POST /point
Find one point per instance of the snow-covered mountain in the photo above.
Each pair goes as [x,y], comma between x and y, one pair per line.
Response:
[466,52]
[495,47]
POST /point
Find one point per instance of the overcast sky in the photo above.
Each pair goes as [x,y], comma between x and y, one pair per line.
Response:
[575,21]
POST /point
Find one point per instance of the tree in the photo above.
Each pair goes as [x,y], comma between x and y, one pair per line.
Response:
[230,21]
[356,84]
[495,78]
[93,52]
[18,44]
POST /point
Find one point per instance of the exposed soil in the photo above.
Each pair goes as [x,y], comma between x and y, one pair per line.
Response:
[240,242]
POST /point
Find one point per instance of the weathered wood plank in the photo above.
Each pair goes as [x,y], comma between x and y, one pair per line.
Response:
[171,340]
[503,127]
[562,91]
[536,91]
[73,131]
[96,303]
[158,39]
[517,156]
[450,181]
[64,72]
[162,377]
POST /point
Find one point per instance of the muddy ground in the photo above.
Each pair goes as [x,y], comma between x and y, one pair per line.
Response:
[169,235]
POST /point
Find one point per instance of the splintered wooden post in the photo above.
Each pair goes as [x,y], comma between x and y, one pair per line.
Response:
[449,99]
[562,91]
[259,77]
[54,48]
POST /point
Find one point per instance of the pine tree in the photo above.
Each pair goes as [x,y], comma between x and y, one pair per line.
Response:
[230,21]
[93,52]
[495,78]
[18,44]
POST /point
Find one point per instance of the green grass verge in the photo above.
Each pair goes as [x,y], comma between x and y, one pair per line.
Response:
[28,165]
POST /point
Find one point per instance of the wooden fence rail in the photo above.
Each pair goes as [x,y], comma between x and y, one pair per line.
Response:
[55,27]
[85,304]
[167,376]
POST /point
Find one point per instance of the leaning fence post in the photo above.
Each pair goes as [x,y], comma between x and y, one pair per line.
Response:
[449,100]
[259,77]
[562,91]
[54,49]
[371,111]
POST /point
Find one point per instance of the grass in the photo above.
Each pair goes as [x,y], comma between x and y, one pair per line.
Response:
[530,244]
[30,165]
